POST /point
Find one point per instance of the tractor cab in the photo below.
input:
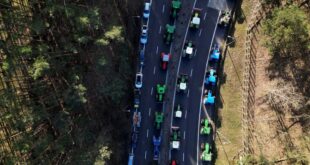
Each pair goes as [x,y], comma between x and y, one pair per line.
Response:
[205,129]
[175,137]
[209,98]
[206,154]
[211,77]
[168,36]
[189,49]
[159,117]
[182,82]
[178,111]
[160,92]
[175,8]
[225,18]
[195,19]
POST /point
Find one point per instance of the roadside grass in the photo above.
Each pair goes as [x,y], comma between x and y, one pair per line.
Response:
[229,136]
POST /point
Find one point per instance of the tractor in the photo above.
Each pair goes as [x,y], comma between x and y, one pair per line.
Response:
[160,92]
[156,143]
[225,18]
[205,128]
[178,111]
[195,19]
[209,98]
[215,53]
[206,154]
[175,8]
[210,77]
[168,36]
[189,49]
[175,137]
[159,117]
[182,82]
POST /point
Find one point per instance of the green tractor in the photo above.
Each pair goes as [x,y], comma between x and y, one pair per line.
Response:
[160,92]
[182,83]
[175,8]
[168,36]
[159,117]
[175,137]
[205,129]
[206,154]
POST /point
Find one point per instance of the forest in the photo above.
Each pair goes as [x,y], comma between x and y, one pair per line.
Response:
[66,71]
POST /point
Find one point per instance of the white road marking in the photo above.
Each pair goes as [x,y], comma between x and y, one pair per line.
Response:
[200,32]
[188,93]
[204,17]
[191,72]
[195,52]
[147,133]
[184,157]
[184,135]
[157,50]
[152,91]
[185,114]
[159,30]
[145,153]
[150,111]
[163,10]
[154,70]
[202,88]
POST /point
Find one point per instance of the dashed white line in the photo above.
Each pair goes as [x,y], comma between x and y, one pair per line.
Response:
[188,93]
[154,70]
[147,133]
[150,111]
[200,32]
[191,72]
[145,153]
[195,52]
[185,114]
[152,91]
[159,30]
[184,135]
[204,17]
[157,50]
[163,10]
[184,157]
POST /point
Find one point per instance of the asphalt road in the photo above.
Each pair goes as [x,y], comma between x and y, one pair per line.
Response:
[203,39]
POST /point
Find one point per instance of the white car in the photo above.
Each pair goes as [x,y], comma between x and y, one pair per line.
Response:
[143,38]
[147,10]
[138,82]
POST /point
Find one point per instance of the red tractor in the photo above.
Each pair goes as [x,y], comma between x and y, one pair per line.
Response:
[164,58]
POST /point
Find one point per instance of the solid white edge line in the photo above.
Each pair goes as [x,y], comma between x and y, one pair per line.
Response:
[202,86]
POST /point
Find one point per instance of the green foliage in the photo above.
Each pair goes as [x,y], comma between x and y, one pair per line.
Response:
[115,90]
[115,33]
[103,156]
[40,66]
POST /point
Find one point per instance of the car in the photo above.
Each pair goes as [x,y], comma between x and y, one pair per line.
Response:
[156,143]
[182,82]
[215,53]
[174,162]
[225,18]
[164,57]
[178,111]
[211,77]
[136,119]
[189,49]
[130,159]
[195,19]
[175,137]
[141,57]
[137,94]
[206,154]
[147,10]
[134,139]
[138,82]
[160,92]
[168,35]
[143,38]
[209,98]
[205,128]
[175,8]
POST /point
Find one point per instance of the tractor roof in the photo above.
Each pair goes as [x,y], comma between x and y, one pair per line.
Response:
[170,28]
[183,85]
[176,4]
[178,113]
[196,20]
[176,144]
[189,50]
[166,57]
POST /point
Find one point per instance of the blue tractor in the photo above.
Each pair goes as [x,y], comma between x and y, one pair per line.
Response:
[210,78]
[156,143]
[215,53]
[209,98]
